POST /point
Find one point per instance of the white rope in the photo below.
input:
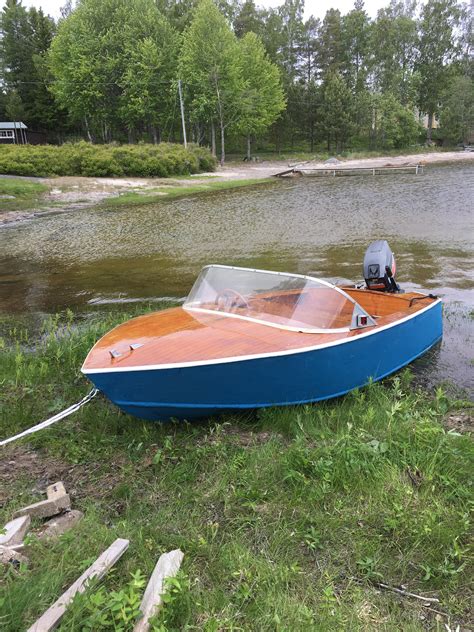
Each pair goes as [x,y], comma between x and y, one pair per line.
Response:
[54,419]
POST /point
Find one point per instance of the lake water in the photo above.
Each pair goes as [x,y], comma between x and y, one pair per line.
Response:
[318,226]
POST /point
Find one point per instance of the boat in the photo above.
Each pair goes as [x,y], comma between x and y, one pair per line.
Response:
[247,338]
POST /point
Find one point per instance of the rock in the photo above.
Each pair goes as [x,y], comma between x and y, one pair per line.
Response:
[15,531]
[55,491]
[45,508]
[332,161]
[9,556]
[59,525]
[7,197]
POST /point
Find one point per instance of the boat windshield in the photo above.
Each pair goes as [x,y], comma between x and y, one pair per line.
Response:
[286,301]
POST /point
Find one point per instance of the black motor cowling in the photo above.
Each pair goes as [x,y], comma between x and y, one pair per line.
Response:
[380,267]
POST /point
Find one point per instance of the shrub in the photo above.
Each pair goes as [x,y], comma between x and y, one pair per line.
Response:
[85,159]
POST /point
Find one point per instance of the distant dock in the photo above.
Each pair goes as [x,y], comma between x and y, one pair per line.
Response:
[334,171]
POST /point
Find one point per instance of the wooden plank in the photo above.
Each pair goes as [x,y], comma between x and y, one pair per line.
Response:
[50,619]
[167,566]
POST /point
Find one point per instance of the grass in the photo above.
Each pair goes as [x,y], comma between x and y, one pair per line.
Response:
[24,193]
[158,194]
[287,517]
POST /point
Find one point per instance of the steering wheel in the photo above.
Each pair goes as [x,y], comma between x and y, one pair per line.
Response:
[231,299]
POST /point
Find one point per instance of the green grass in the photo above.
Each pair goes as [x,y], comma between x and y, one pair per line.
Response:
[24,193]
[158,194]
[287,517]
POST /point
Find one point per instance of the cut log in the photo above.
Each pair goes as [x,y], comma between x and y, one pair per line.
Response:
[50,619]
[45,508]
[60,524]
[55,491]
[15,531]
[167,566]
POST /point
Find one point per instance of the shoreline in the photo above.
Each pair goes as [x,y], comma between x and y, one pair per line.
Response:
[70,193]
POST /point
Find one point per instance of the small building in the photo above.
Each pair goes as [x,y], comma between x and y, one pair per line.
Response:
[13,133]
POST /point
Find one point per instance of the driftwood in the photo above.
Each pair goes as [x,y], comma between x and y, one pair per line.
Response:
[399,591]
[167,566]
[406,593]
[50,619]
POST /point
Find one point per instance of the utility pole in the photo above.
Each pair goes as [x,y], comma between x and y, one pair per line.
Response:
[182,112]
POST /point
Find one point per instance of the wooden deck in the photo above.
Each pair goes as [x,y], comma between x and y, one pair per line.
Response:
[177,335]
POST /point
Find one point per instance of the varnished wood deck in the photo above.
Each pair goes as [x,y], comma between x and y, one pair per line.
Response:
[176,335]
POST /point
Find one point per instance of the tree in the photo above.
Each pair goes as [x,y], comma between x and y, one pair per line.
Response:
[25,39]
[394,125]
[331,53]
[394,48]
[307,102]
[457,111]
[292,29]
[15,111]
[249,19]
[356,45]
[337,111]
[437,48]
[209,67]
[262,99]
[113,64]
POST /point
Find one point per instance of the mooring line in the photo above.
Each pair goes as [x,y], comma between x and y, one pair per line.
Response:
[54,419]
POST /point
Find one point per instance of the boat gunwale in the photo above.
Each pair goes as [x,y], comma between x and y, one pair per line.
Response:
[362,333]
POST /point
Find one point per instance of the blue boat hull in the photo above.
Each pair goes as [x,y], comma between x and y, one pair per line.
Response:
[276,380]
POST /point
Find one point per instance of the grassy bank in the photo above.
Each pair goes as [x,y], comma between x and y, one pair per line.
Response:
[85,159]
[288,518]
[158,194]
[19,194]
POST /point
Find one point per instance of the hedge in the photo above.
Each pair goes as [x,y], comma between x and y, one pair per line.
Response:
[85,159]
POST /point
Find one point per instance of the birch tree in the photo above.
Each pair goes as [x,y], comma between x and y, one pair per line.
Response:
[209,67]
[262,100]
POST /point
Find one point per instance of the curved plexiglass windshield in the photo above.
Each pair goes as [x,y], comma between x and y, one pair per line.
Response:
[276,299]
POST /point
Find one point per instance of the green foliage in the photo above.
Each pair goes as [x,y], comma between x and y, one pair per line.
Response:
[208,65]
[337,111]
[133,86]
[394,39]
[286,517]
[85,159]
[262,98]
[102,609]
[394,125]
[26,36]
[457,110]
[438,46]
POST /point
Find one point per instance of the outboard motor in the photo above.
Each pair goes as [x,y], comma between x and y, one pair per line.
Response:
[380,267]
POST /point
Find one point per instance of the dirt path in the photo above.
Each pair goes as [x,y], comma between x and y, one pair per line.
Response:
[68,193]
